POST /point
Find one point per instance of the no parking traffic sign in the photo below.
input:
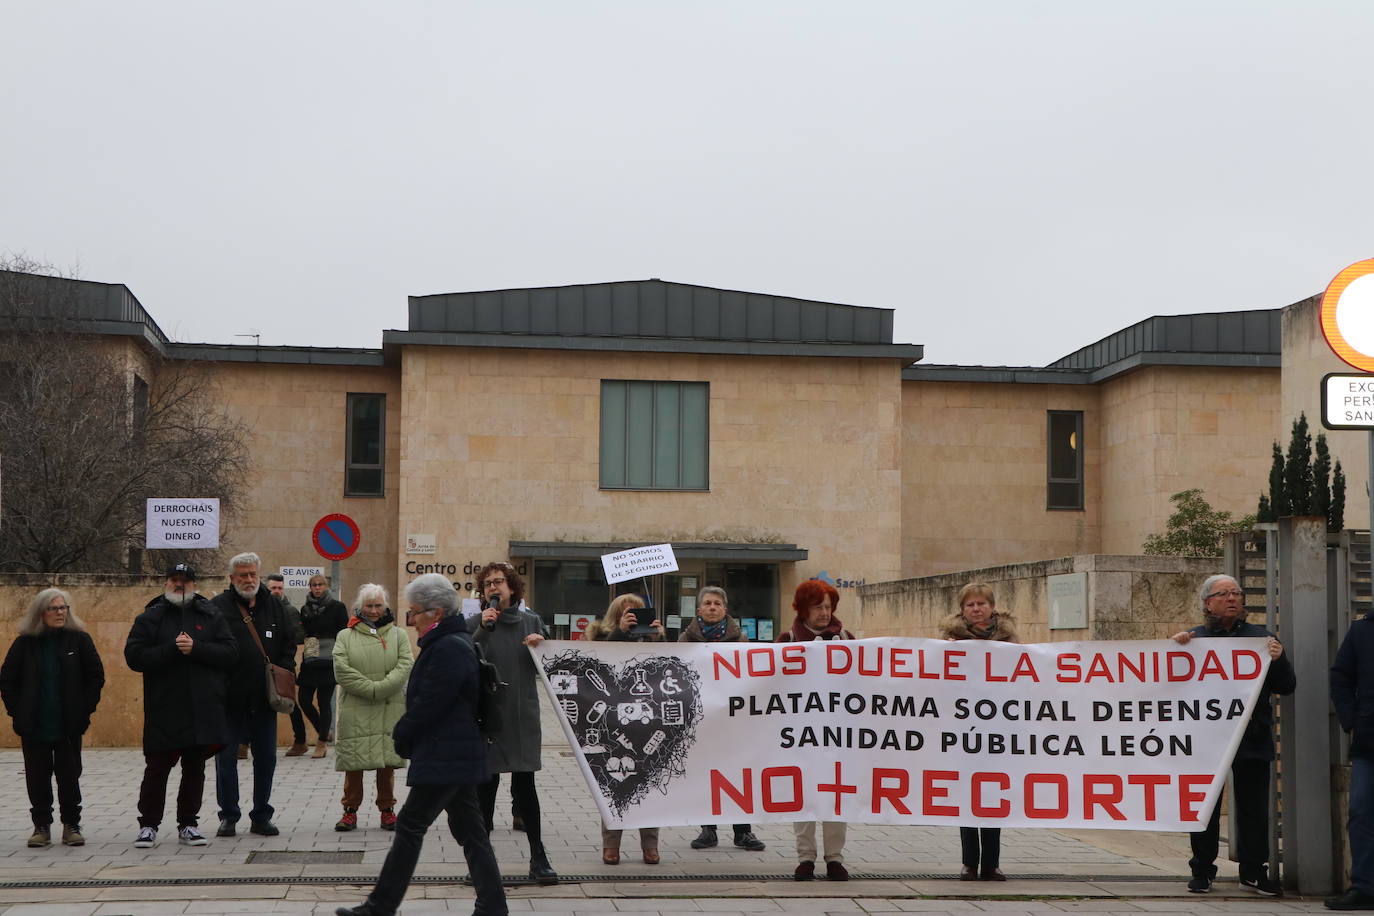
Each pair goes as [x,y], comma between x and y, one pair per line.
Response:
[336,537]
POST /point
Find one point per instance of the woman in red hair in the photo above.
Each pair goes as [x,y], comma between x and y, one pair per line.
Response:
[815,602]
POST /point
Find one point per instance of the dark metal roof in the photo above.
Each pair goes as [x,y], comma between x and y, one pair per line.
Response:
[652,309]
[1252,339]
[94,307]
[300,356]
[1020,375]
[391,340]
[705,550]
[1257,333]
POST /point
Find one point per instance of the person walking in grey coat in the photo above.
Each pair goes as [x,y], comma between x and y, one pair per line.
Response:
[503,632]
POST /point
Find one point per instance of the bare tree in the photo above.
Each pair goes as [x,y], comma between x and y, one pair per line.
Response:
[86,439]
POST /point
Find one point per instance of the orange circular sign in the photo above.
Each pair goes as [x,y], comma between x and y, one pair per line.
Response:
[1348,315]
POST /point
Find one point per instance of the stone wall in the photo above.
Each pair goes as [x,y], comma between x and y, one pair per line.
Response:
[1129,597]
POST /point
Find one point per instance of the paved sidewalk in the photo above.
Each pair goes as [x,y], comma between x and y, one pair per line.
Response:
[897,869]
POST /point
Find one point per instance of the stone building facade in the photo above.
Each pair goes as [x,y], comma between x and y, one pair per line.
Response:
[769,439]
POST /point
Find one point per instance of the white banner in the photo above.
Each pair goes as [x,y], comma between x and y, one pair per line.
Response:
[1125,735]
[188,524]
[638,561]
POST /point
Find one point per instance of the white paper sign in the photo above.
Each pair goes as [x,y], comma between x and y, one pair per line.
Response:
[1134,735]
[639,561]
[471,608]
[186,524]
[299,576]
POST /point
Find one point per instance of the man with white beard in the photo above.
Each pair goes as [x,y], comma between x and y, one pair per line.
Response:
[182,646]
[260,627]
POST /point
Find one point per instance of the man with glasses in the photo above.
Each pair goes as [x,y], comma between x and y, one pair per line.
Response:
[1223,613]
[503,631]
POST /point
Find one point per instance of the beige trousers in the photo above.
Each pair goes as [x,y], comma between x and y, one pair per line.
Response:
[610,839]
[832,836]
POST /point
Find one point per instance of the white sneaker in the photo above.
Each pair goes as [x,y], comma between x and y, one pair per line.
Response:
[190,836]
[147,838]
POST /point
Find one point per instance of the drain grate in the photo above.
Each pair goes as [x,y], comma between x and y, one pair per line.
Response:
[518,880]
[286,857]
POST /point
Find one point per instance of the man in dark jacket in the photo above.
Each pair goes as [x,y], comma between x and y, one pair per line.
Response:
[1223,605]
[1351,692]
[182,646]
[254,617]
[448,757]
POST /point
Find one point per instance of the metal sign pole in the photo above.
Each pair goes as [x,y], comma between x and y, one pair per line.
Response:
[336,578]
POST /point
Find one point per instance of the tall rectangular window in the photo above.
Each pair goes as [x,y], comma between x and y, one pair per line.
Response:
[654,435]
[366,445]
[1065,460]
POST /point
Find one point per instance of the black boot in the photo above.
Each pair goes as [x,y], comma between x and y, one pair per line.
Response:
[362,909]
[540,869]
[706,839]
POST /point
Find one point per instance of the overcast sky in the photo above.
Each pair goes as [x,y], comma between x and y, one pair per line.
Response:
[1015,179]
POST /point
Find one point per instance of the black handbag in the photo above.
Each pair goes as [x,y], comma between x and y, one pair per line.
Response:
[490,689]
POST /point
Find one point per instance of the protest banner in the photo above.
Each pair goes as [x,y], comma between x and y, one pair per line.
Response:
[1125,735]
[638,562]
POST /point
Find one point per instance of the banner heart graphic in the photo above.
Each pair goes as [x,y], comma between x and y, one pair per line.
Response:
[634,722]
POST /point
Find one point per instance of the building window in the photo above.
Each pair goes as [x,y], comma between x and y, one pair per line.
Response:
[1065,460]
[366,445]
[654,435]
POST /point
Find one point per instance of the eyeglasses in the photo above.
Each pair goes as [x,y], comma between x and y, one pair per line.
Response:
[60,607]
[1228,593]
[490,582]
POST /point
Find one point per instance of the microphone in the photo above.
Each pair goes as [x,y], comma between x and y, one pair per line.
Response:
[494,604]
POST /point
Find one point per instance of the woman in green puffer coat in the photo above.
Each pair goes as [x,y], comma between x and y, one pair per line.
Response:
[372,660]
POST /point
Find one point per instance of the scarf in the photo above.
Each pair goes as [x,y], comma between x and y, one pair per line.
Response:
[314,607]
[712,632]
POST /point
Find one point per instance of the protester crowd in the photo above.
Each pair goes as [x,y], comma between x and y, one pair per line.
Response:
[217,672]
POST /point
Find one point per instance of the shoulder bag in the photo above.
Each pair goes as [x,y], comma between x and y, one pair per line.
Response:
[281,684]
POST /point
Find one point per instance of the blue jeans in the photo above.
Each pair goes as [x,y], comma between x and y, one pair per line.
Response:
[259,732]
[1361,825]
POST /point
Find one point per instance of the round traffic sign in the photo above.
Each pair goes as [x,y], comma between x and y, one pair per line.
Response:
[336,537]
[1347,315]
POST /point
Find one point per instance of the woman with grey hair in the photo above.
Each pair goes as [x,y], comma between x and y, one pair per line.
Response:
[448,757]
[713,623]
[371,663]
[50,682]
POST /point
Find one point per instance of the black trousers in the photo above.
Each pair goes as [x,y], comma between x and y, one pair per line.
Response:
[422,806]
[297,723]
[152,794]
[1250,800]
[981,846]
[321,714]
[42,761]
[524,802]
